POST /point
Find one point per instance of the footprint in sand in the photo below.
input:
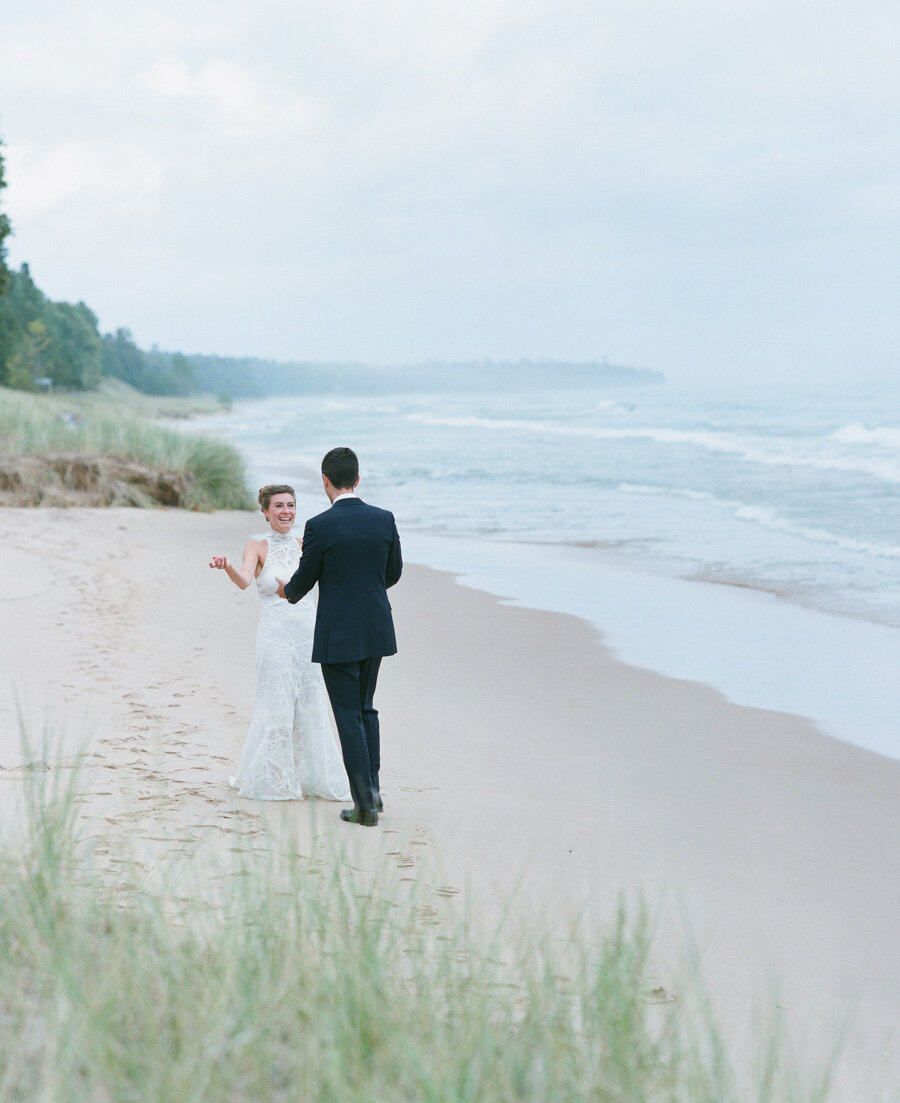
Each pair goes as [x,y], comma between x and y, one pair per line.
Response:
[425,915]
[659,995]
[446,890]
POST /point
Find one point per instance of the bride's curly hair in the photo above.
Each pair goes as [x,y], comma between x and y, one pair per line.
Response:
[267,493]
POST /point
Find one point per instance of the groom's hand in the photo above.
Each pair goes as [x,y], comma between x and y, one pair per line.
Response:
[280,590]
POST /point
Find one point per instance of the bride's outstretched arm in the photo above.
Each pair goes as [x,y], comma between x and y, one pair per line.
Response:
[248,571]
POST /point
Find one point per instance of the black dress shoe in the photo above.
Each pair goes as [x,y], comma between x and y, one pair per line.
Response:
[365,817]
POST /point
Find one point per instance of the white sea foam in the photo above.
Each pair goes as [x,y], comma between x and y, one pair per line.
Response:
[665,491]
[761,516]
[768,519]
[715,442]
[887,436]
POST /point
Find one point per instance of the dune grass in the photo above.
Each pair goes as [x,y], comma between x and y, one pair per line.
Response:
[294,987]
[116,393]
[98,426]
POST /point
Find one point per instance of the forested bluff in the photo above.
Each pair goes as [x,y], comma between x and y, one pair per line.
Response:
[57,344]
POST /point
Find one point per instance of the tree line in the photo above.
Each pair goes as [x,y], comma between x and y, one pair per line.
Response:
[46,344]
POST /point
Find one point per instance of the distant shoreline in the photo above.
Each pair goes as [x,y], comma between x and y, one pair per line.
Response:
[254,377]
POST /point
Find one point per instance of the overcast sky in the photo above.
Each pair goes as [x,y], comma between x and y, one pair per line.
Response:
[705,187]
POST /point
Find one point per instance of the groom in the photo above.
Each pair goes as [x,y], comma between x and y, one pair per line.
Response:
[353,551]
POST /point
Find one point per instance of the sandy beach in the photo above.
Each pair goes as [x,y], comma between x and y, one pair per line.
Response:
[525,772]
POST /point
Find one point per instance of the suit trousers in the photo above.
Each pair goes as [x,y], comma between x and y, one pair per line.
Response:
[351,688]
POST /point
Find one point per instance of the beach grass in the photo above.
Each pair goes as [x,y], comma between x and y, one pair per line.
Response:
[116,393]
[114,428]
[291,987]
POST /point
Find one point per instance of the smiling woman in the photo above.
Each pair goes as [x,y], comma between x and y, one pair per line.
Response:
[290,752]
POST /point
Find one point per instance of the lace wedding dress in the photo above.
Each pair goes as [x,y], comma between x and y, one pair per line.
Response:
[290,751]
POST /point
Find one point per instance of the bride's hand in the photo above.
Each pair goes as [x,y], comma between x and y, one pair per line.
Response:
[219,562]
[280,588]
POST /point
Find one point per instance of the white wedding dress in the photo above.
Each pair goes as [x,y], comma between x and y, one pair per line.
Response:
[290,751]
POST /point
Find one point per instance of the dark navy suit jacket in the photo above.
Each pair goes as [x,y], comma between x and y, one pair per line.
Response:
[353,551]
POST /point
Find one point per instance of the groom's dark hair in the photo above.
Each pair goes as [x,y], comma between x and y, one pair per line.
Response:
[341,467]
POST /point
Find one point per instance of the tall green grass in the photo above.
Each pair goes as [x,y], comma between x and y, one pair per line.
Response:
[293,987]
[116,393]
[37,425]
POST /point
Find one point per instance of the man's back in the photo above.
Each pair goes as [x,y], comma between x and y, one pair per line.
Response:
[353,551]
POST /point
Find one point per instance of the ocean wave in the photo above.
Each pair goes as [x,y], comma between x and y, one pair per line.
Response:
[612,406]
[755,450]
[666,491]
[886,471]
[768,519]
[765,517]
[887,436]
[715,442]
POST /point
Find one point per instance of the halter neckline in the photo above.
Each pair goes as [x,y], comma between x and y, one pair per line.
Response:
[280,537]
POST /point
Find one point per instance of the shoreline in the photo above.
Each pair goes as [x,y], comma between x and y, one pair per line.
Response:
[528,774]
[613,558]
[824,557]
[753,645]
[754,648]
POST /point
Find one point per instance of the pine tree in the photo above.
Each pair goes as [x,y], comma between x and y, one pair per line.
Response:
[5,231]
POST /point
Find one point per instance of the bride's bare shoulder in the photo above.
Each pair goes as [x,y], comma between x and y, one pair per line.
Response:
[257,548]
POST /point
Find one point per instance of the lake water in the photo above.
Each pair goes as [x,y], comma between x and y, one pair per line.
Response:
[744,537]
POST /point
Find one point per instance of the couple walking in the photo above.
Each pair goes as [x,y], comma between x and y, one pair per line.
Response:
[352,551]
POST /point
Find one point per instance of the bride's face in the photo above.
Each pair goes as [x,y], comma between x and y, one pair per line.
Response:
[281,513]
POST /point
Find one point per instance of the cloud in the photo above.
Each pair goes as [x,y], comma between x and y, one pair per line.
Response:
[89,47]
[434,38]
[122,178]
[593,156]
[234,98]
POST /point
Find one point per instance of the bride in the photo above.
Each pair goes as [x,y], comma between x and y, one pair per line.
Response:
[290,751]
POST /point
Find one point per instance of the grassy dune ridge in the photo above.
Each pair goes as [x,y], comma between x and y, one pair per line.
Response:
[296,987]
[110,448]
